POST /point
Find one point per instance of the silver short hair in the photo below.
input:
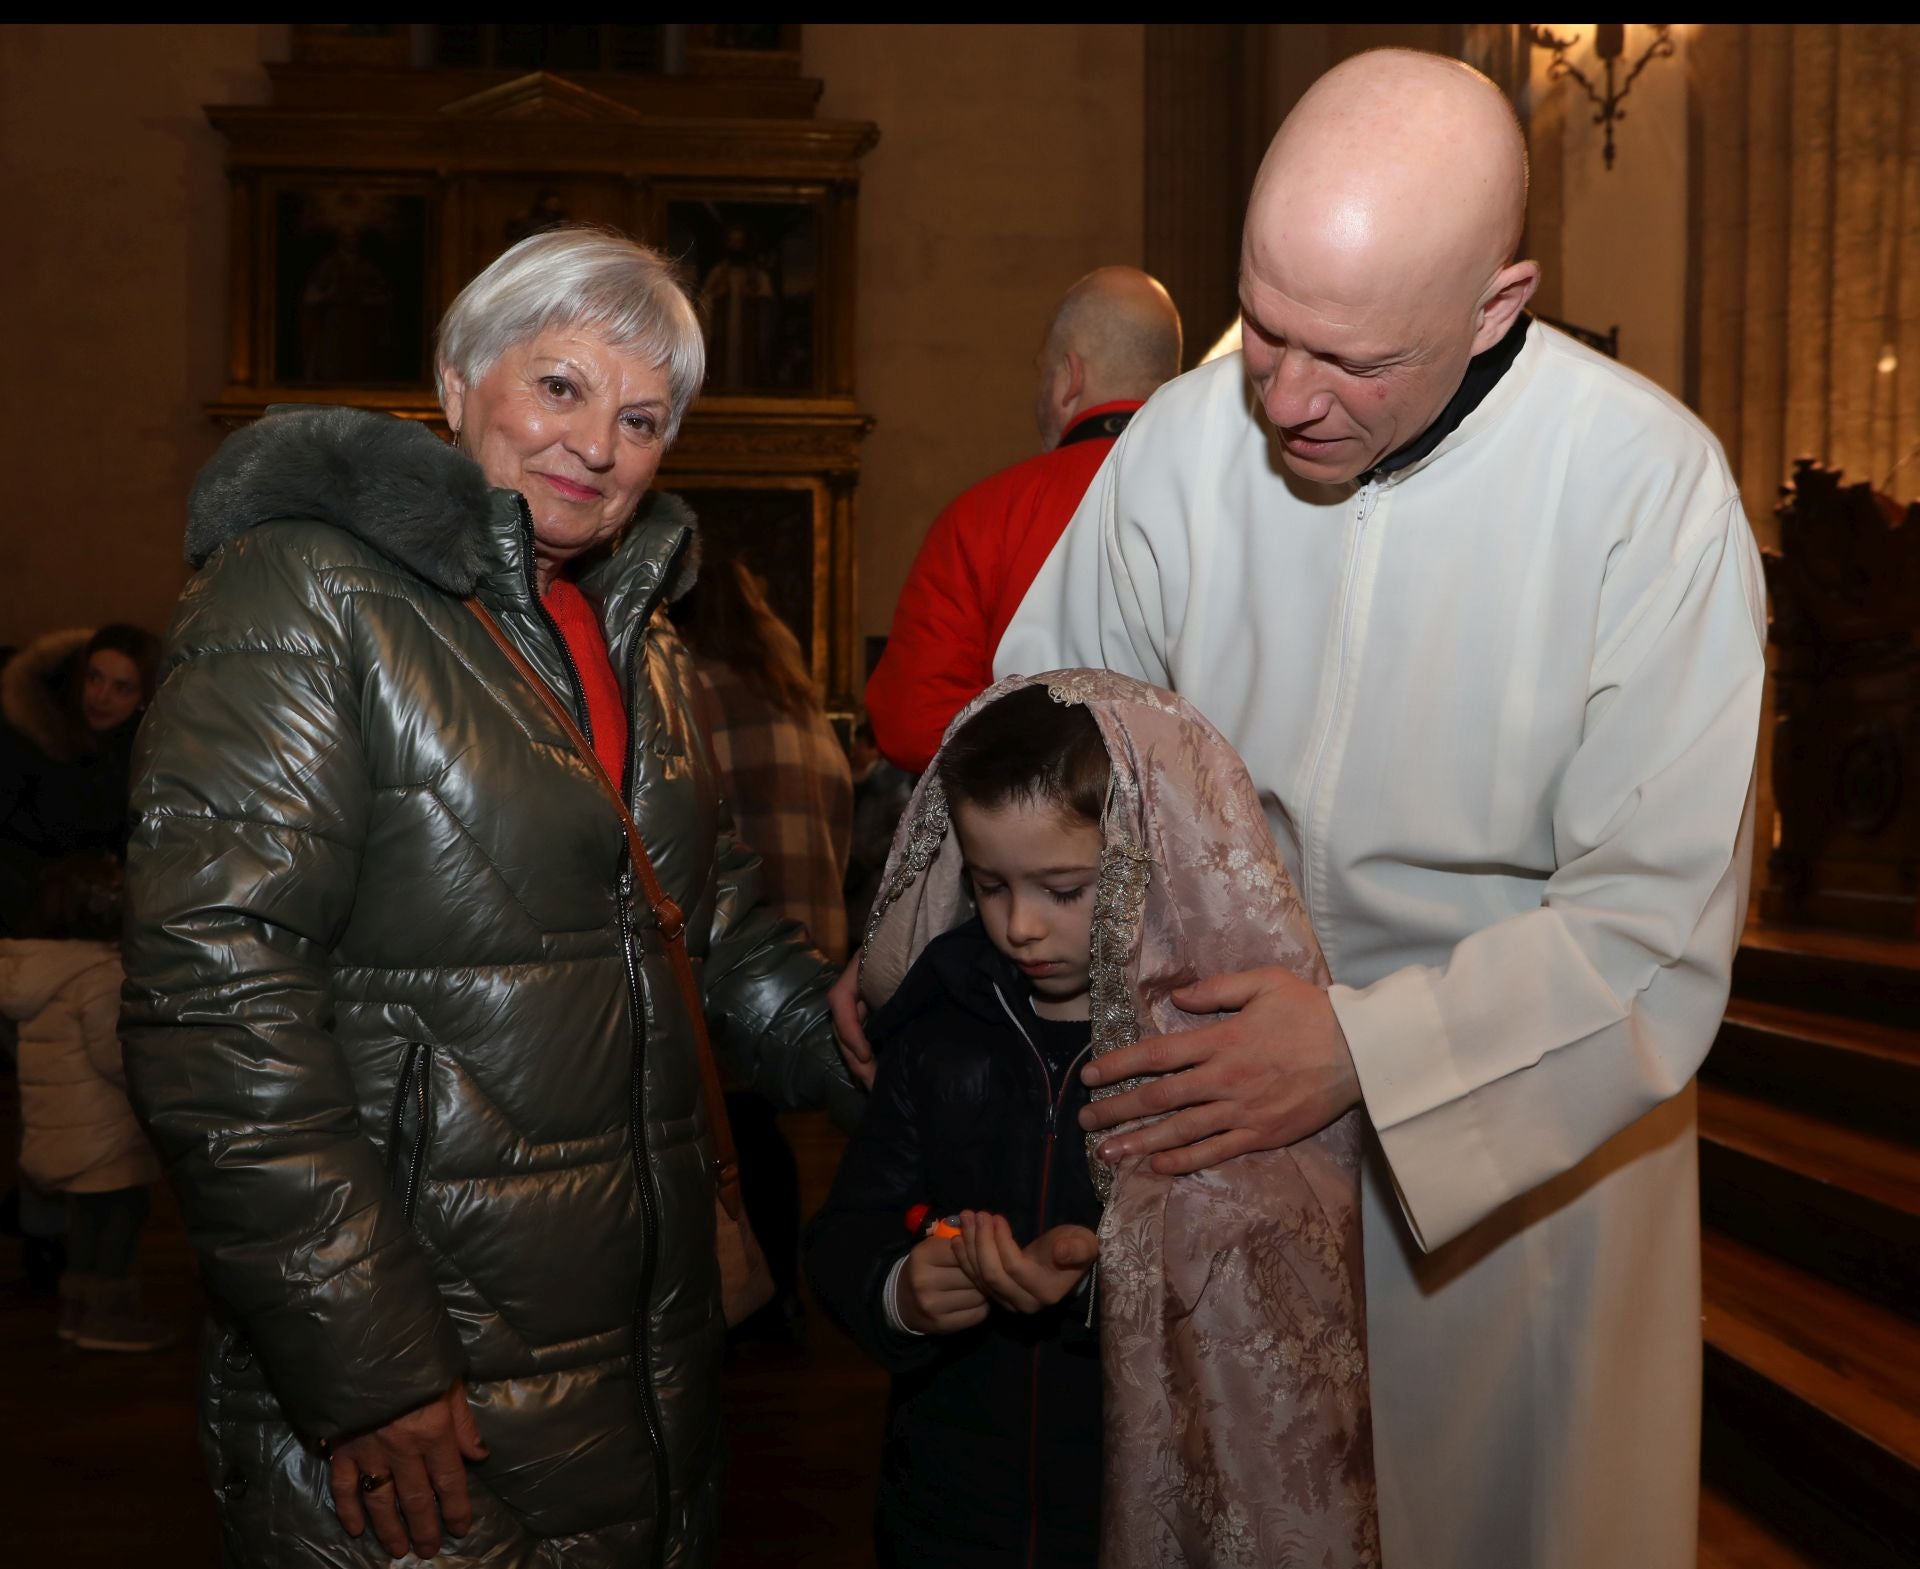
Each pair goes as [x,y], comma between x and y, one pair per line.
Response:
[594,278]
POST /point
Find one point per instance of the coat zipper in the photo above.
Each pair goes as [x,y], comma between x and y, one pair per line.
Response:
[1310,828]
[413,1083]
[576,689]
[650,1242]
[1054,1103]
[642,1161]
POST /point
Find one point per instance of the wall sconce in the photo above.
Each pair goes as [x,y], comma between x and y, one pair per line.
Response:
[1609,44]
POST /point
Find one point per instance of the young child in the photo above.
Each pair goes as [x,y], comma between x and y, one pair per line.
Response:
[993,1449]
[78,1133]
[1083,848]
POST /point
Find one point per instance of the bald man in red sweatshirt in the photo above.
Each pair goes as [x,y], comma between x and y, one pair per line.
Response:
[1114,338]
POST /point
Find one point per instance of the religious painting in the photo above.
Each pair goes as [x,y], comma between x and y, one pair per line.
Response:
[549,46]
[773,530]
[754,267]
[505,212]
[746,35]
[742,48]
[350,286]
[379,46]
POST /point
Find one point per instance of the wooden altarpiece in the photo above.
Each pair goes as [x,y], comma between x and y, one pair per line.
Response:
[1845,590]
[364,199]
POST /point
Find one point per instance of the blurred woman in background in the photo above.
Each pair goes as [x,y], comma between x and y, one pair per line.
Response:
[69,705]
[785,772]
[788,781]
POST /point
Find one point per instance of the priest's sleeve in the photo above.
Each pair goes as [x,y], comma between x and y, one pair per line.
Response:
[1545,1034]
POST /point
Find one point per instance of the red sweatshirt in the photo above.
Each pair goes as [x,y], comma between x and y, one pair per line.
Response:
[974,567]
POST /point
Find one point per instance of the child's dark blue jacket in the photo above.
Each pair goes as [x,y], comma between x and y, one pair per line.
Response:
[993,1436]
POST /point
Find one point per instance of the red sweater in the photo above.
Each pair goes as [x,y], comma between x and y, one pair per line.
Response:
[975,566]
[580,631]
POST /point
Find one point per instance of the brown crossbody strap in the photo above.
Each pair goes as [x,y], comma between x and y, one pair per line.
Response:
[666,914]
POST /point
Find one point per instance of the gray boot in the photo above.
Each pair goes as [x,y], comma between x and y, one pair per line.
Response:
[117,1321]
[76,1302]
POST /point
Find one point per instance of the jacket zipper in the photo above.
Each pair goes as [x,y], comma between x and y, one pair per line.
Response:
[1368,495]
[650,1242]
[642,1161]
[576,689]
[413,1083]
[1054,1103]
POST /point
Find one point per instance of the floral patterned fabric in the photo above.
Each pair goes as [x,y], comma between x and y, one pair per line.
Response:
[1231,1317]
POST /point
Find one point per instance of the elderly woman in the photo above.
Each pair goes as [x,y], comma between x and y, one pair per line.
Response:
[413,1053]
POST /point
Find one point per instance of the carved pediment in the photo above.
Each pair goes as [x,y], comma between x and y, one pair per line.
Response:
[540,95]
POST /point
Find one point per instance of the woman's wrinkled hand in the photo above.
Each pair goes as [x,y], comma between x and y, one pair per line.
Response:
[424,1455]
[1024,1280]
[849,1017]
[933,1295]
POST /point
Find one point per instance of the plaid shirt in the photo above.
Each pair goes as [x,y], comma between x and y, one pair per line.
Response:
[791,790]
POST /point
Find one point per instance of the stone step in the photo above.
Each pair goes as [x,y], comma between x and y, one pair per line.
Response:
[1812,1408]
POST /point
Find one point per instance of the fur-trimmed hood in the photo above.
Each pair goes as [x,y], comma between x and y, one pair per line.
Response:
[31,688]
[422,503]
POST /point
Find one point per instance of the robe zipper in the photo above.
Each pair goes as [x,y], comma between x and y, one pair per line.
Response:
[1311,828]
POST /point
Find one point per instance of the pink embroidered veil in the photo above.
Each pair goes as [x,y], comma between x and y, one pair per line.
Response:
[1232,1332]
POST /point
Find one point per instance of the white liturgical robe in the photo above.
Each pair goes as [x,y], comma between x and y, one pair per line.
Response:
[1501,707]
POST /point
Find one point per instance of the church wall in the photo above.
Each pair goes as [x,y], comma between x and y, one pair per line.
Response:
[1009,164]
[1010,161]
[114,282]
[1614,248]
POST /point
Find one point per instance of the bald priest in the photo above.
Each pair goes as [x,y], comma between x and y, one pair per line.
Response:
[1482,612]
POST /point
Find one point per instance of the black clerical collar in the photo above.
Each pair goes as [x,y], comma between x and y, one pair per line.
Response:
[1484,371]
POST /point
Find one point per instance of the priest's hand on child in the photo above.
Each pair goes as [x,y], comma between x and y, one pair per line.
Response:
[1023,1279]
[1272,1072]
[934,1295]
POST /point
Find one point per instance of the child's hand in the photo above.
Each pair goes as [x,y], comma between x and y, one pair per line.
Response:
[1023,1279]
[933,1294]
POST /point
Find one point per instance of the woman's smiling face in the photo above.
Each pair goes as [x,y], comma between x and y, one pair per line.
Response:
[575,424]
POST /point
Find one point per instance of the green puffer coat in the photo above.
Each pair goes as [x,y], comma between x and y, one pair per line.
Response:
[415,1062]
